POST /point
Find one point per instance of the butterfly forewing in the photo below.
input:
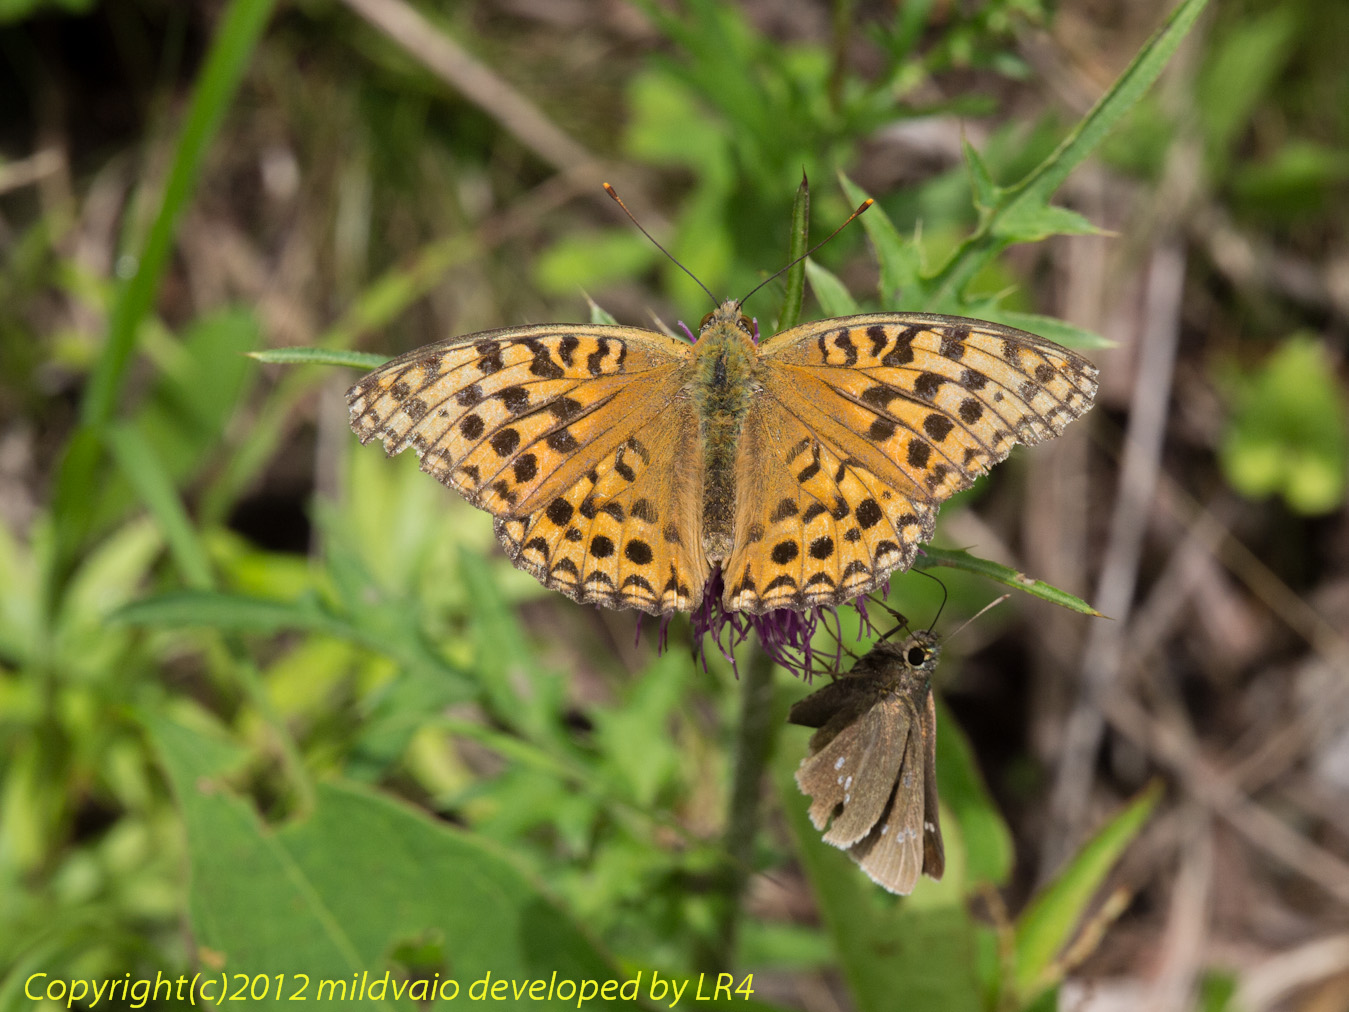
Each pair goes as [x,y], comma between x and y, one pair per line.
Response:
[507,417]
[852,774]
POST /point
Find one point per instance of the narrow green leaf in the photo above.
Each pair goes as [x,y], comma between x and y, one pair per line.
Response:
[240,27]
[319,356]
[1137,78]
[900,263]
[600,315]
[1035,189]
[390,629]
[523,692]
[796,274]
[1047,924]
[1238,70]
[957,559]
[1031,222]
[227,612]
[154,487]
[986,192]
[830,292]
[1051,327]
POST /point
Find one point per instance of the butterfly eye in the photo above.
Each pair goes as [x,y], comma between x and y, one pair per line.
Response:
[746,325]
[706,320]
[917,656]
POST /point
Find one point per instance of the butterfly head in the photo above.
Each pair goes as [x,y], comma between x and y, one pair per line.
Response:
[921,650]
[728,317]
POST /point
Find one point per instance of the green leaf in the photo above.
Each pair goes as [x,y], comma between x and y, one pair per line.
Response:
[387,628]
[352,891]
[1048,922]
[829,291]
[238,31]
[230,612]
[592,259]
[202,379]
[1137,78]
[986,192]
[142,468]
[1239,71]
[600,315]
[987,842]
[900,261]
[1051,327]
[524,692]
[957,559]
[1028,221]
[240,26]
[319,356]
[1293,182]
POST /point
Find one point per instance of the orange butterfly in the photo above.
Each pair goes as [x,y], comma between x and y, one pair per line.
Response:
[622,466]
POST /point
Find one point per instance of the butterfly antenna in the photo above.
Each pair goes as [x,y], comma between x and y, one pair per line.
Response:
[991,604]
[944,596]
[619,201]
[864,205]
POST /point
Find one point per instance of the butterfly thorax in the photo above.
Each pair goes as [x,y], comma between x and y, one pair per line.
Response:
[723,386]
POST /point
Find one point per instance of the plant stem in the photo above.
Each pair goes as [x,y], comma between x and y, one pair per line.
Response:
[753,743]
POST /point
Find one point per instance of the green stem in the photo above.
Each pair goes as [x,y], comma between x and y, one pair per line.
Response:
[753,743]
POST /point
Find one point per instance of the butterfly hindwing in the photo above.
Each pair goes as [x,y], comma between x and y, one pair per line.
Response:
[852,769]
[815,526]
[625,535]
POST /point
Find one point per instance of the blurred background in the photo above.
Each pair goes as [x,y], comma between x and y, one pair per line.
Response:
[203,575]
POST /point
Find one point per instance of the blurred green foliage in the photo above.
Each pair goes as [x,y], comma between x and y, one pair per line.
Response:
[1289,430]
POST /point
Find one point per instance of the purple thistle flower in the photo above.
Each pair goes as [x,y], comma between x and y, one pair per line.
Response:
[785,634]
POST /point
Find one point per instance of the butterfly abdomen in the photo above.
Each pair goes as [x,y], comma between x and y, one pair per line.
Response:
[722,389]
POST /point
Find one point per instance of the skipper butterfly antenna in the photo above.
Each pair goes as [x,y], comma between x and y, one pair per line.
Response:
[991,604]
[944,596]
